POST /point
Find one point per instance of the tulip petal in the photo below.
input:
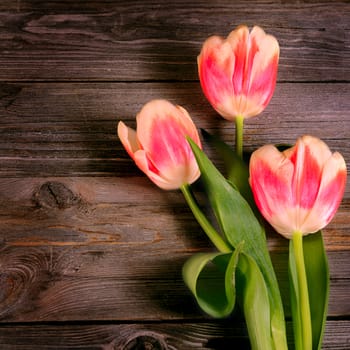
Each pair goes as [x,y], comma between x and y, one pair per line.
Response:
[146,165]
[128,138]
[299,189]
[238,75]
[309,156]
[238,40]
[215,67]
[270,178]
[159,145]
[314,171]
[263,60]
[329,196]
[306,179]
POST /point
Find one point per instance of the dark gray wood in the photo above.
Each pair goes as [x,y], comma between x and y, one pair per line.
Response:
[160,40]
[70,129]
[113,249]
[90,250]
[175,336]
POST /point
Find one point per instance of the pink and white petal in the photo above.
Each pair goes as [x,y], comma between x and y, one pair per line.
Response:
[284,222]
[216,52]
[262,66]
[189,127]
[215,67]
[147,167]
[178,175]
[148,118]
[250,106]
[264,51]
[238,37]
[193,172]
[169,147]
[309,158]
[330,194]
[230,107]
[308,175]
[158,116]
[128,138]
[238,40]
[318,149]
[270,178]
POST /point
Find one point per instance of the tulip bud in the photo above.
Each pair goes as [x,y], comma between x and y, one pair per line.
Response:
[299,189]
[238,74]
[159,146]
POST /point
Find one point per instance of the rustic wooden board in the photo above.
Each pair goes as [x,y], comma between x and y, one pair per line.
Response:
[90,250]
[150,40]
[72,249]
[158,336]
[70,129]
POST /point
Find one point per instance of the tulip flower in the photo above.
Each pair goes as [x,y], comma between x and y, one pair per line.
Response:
[238,74]
[159,146]
[300,189]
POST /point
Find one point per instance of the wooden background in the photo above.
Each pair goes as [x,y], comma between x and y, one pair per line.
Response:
[90,250]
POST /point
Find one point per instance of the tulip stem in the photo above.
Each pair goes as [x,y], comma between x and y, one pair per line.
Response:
[213,235]
[239,135]
[304,304]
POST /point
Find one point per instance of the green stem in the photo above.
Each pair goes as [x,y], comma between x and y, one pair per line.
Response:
[304,311]
[213,235]
[239,135]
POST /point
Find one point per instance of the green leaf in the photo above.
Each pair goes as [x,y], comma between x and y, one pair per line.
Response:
[317,272]
[317,281]
[237,171]
[239,224]
[211,279]
[252,293]
[234,215]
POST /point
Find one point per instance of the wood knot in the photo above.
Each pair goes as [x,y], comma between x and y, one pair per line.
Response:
[11,292]
[54,194]
[145,342]
[7,286]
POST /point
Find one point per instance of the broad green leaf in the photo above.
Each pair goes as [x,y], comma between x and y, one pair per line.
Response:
[234,215]
[237,171]
[211,279]
[252,293]
[239,224]
[317,272]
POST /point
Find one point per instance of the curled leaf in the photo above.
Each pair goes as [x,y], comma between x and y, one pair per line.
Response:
[211,279]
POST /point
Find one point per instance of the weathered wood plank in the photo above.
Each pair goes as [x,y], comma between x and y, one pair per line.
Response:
[146,287]
[98,211]
[181,336]
[130,41]
[70,129]
[71,249]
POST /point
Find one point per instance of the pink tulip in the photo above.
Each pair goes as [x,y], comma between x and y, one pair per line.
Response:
[238,75]
[159,146]
[300,189]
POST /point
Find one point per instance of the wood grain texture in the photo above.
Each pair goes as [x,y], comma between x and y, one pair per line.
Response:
[158,40]
[90,250]
[225,335]
[70,129]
